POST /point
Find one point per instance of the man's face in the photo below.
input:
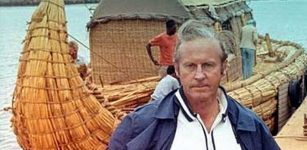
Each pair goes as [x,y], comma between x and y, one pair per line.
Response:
[172,30]
[200,69]
[72,52]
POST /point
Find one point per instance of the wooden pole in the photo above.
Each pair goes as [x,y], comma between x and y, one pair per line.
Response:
[243,19]
[101,80]
[305,125]
[269,44]
[218,27]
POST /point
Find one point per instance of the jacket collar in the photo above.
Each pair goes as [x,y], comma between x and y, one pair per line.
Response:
[239,116]
[185,106]
[168,107]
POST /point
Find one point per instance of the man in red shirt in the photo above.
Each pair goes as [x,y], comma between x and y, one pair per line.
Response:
[166,42]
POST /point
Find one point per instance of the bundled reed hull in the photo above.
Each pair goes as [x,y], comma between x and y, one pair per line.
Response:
[51,109]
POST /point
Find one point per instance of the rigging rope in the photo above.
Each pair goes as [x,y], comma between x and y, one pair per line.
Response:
[97,54]
[88,8]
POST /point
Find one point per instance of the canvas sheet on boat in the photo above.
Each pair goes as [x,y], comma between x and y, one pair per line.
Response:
[140,8]
[205,2]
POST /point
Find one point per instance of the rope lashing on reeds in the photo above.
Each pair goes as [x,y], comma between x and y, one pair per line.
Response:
[49,76]
[43,50]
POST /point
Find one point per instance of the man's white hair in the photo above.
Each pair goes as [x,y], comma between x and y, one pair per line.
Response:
[192,30]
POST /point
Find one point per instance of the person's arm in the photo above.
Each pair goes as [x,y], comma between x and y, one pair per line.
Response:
[268,142]
[263,138]
[241,34]
[122,135]
[176,84]
[255,37]
[148,47]
[166,86]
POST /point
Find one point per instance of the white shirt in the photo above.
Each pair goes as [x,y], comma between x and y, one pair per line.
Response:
[249,37]
[165,86]
[191,133]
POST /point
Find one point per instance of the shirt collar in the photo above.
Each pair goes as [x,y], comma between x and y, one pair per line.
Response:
[184,106]
[222,101]
[187,110]
[168,109]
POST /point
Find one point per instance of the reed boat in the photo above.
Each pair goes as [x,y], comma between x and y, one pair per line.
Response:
[53,108]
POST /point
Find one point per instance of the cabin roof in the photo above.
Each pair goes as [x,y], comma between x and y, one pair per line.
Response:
[206,2]
[143,9]
[179,10]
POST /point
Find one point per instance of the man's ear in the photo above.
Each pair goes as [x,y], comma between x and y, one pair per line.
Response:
[176,65]
[224,67]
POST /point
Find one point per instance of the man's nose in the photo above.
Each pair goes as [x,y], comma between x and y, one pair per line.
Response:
[199,74]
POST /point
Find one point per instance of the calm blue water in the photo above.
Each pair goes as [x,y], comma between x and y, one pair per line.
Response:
[283,19]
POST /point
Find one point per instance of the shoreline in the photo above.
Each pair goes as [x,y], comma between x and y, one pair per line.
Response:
[12,3]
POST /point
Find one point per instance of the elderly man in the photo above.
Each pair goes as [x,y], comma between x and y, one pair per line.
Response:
[199,115]
[248,45]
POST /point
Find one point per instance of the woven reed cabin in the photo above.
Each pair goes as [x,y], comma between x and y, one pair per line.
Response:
[119,31]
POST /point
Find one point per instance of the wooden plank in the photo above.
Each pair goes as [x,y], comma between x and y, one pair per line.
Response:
[283,108]
[292,143]
[291,135]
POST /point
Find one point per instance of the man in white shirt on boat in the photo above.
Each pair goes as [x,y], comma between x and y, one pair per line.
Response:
[248,45]
[166,85]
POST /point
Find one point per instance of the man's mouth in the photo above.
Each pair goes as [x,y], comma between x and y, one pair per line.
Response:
[200,86]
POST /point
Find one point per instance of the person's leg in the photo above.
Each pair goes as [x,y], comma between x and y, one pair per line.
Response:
[250,62]
[244,62]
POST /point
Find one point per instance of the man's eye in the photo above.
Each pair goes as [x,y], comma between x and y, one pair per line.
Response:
[208,66]
[189,66]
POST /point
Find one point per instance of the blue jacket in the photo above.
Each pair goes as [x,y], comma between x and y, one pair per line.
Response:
[153,127]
